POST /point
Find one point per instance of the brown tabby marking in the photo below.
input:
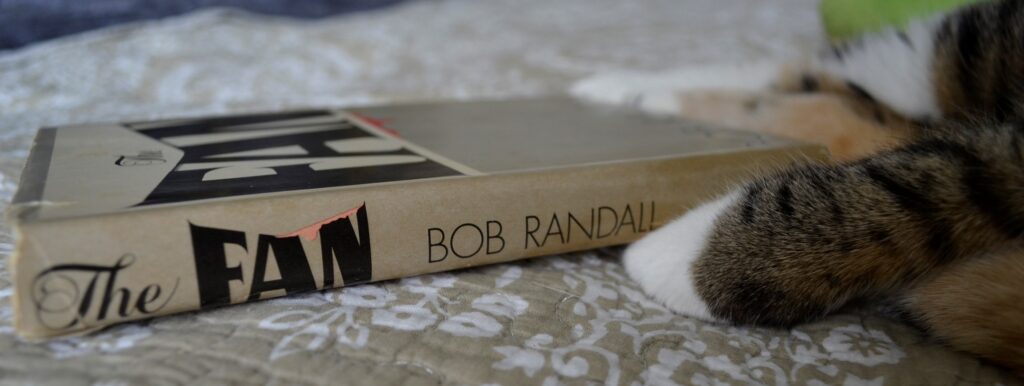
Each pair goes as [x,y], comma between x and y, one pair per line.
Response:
[978,61]
[864,228]
[919,220]
[960,305]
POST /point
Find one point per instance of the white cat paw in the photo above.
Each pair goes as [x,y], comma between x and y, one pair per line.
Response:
[662,262]
[634,91]
[659,92]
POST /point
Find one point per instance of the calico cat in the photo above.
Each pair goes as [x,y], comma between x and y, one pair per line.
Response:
[925,209]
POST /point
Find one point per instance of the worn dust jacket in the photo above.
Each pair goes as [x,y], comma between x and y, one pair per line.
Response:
[131,220]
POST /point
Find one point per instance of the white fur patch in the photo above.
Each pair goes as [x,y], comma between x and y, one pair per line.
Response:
[894,72]
[662,262]
[657,93]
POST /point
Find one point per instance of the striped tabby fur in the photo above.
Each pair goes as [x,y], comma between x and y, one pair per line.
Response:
[926,210]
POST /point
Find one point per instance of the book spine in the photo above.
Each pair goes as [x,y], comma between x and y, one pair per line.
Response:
[82,273]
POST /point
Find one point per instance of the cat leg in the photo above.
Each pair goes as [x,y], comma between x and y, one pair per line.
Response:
[893,68]
[962,65]
[658,92]
[832,120]
[877,91]
[794,246]
[977,306]
[764,98]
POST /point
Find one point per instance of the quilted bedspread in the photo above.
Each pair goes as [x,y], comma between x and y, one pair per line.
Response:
[568,319]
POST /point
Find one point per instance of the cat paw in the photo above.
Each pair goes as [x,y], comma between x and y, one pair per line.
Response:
[660,93]
[633,91]
[662,263]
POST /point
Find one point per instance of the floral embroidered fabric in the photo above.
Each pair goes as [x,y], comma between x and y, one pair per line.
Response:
[569,319]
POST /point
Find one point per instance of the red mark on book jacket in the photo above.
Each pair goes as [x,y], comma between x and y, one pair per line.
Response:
[379,124]
[310,232]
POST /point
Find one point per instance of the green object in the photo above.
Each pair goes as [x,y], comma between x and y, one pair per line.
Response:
[848,18]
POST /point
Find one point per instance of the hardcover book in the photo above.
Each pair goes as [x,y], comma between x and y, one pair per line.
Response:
[132,220]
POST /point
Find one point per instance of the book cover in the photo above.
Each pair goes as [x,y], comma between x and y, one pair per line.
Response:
[132,220]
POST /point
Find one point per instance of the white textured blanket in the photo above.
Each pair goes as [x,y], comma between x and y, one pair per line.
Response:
[570,319]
